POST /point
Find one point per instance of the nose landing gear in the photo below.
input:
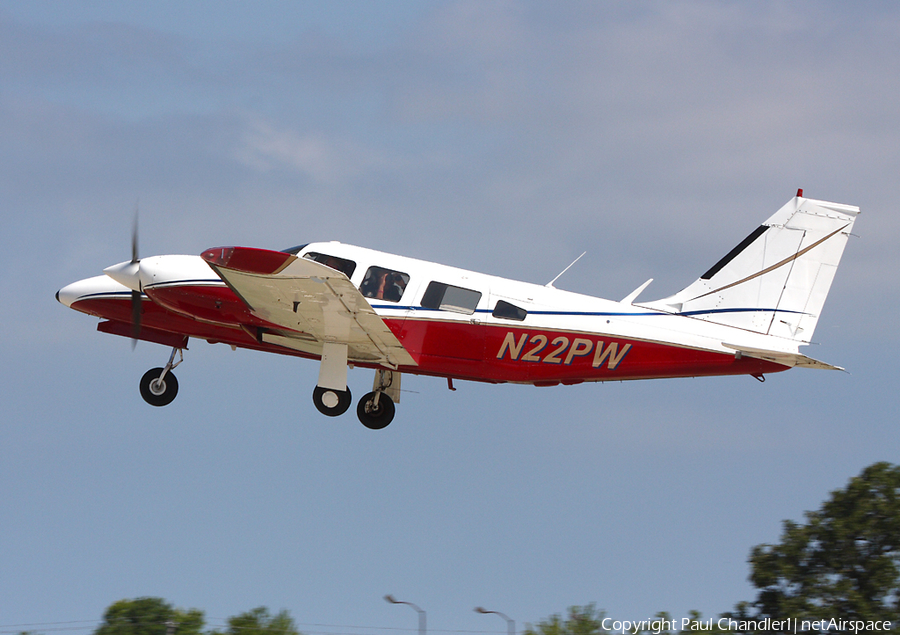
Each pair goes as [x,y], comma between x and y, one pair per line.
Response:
[159,385]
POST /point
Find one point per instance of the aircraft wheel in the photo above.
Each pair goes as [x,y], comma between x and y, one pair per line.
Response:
[332,402]
[158,393]
[375,418]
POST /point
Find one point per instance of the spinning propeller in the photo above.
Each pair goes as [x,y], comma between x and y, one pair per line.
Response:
[128,274]
[135,294]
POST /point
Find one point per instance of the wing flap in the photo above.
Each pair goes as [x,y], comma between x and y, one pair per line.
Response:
[306,297]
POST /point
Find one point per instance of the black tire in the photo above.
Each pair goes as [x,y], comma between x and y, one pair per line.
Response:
[156,393]
[344,400]
[375,418]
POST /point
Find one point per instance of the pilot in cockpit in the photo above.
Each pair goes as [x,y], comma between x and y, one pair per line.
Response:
[383,284]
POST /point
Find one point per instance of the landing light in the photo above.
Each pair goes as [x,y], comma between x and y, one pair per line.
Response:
[218,256]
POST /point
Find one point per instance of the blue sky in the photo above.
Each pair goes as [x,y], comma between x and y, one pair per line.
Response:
[501,137]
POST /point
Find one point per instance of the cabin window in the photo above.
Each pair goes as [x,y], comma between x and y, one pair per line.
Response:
[509,311]
[449,298]
[346,267]
[384,284]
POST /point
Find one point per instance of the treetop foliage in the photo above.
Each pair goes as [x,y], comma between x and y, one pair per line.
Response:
[581,620]
[844,561]
[155,616]
[149,616]
[260,622]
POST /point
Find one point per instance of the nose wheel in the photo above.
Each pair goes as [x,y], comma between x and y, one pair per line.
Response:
[159,385]
[158,390]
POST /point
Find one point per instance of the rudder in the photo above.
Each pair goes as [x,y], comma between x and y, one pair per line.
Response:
[776,280]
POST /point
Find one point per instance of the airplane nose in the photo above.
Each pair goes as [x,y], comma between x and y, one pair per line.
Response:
[70,293]
[96,287]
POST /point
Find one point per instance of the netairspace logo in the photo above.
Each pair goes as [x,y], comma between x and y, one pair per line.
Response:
[790,625]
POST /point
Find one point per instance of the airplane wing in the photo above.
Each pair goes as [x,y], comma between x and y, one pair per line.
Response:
[313,304]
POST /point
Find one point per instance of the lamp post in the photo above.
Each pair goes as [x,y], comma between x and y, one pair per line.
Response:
[510,623]
[390,598]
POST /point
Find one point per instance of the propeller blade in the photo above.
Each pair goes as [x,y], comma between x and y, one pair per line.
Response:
[135,317]
[134,238]
[135,294]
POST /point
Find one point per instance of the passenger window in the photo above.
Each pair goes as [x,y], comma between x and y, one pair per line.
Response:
[509,311]
[449,298]
[384,284]
[346,267]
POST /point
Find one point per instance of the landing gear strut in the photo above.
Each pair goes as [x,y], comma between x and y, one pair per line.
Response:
[159,385]
[331,394]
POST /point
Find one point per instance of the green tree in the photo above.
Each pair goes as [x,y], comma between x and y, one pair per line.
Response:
[581,620]
[149,616]
[844,561]
[259,622]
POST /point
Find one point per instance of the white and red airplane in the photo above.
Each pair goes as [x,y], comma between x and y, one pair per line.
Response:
[350,306]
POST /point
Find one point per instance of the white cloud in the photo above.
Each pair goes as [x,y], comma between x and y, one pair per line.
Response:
[265,146]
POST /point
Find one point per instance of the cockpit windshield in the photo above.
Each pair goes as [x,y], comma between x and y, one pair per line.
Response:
[294,250]
[347,267]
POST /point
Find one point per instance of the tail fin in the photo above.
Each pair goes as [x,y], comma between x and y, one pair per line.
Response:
[775,281]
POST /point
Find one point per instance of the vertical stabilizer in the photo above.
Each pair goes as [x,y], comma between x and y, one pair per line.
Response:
[776,280]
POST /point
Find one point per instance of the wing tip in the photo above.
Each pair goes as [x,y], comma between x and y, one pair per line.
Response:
[248,259]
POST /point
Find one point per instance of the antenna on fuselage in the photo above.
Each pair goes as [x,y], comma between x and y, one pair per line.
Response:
[550,284]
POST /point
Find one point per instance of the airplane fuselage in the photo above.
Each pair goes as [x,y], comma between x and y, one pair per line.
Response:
[539,335]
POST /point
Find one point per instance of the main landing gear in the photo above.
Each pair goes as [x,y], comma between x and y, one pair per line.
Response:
[332,397]
[332,402]
[376,409]
[159,385]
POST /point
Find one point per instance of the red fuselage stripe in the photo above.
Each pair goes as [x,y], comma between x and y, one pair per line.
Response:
[493,353]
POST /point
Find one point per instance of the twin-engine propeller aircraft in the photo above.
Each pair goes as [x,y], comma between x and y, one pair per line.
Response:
[351,306]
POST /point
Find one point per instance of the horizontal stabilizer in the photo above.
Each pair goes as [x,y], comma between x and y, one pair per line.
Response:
[779,357]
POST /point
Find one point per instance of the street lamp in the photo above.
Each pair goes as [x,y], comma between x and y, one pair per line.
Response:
[390,598]
[510,624]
